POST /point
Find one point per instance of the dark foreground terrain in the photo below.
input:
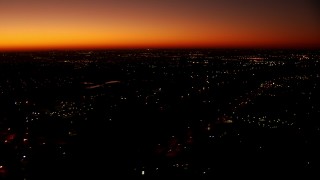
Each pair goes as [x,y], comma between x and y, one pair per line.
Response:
[158,113]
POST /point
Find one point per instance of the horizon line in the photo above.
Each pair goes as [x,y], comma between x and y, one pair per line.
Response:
[153,48]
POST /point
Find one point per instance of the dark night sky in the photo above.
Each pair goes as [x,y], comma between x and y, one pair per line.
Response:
[38,24]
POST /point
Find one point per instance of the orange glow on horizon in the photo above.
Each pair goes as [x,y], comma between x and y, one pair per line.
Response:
[77,38]
[38,25]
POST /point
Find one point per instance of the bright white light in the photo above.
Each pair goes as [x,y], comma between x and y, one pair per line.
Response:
[142,172]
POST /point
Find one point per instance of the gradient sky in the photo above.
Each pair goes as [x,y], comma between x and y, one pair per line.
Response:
[56,24]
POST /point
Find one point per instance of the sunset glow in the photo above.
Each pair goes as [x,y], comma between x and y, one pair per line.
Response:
[57,24]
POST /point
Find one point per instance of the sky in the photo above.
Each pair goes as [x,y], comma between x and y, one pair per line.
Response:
[80,24]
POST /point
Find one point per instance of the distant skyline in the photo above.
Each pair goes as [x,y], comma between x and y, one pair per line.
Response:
[103,24]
